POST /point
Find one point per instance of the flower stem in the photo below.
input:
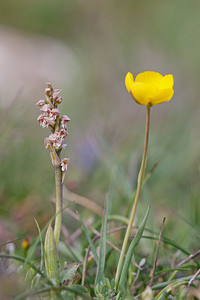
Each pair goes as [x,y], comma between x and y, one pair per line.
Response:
[59,200]
[139,184]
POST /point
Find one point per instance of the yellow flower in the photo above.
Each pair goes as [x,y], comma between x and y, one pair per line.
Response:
[150,88]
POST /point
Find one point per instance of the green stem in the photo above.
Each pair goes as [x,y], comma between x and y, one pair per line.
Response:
[59,204]
[139,185]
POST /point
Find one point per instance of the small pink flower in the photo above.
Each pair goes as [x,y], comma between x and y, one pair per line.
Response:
[50,121]
[40,117]
[54,136]
[48,144]
[57,141]
[41,120]
[64,164]
[55,112]
[40,103]
[46,108]
[64,120]
[63,132]
[45,121]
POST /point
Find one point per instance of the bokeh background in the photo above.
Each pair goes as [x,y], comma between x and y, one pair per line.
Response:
[86,48]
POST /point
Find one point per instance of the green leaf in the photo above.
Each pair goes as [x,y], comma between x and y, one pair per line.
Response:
[51,255]
[129,255]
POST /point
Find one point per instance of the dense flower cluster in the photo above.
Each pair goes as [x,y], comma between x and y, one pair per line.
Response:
[50,117]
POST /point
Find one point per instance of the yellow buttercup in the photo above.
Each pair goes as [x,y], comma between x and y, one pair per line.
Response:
[150,88]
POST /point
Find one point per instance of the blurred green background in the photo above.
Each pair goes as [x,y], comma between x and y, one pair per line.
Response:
[86,48]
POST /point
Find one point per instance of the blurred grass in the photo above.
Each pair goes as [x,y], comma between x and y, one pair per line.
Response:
[108,39]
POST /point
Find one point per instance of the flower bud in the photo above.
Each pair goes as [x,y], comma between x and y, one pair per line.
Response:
[40,103]
[58,100]
[56,93]
[49,90]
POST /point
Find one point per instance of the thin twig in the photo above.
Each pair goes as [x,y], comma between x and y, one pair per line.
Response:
[191,256]
[156,256]
[194,277]
[116,229]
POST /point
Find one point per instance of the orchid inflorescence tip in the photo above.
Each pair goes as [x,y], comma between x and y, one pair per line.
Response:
[57,123]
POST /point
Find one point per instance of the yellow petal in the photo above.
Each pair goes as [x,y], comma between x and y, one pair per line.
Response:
[149,77]
[129,81]
[162,96]
[140,92]
[167,82]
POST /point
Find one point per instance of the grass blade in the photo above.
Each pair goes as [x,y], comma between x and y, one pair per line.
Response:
[132,246]
[42,254]
[166,284]
[104,228]
[89,240]
[169,288]
[102,252]
[42,246]
[111,189]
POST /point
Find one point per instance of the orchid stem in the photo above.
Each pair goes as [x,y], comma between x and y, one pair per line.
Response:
[59,204]
[139,185]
